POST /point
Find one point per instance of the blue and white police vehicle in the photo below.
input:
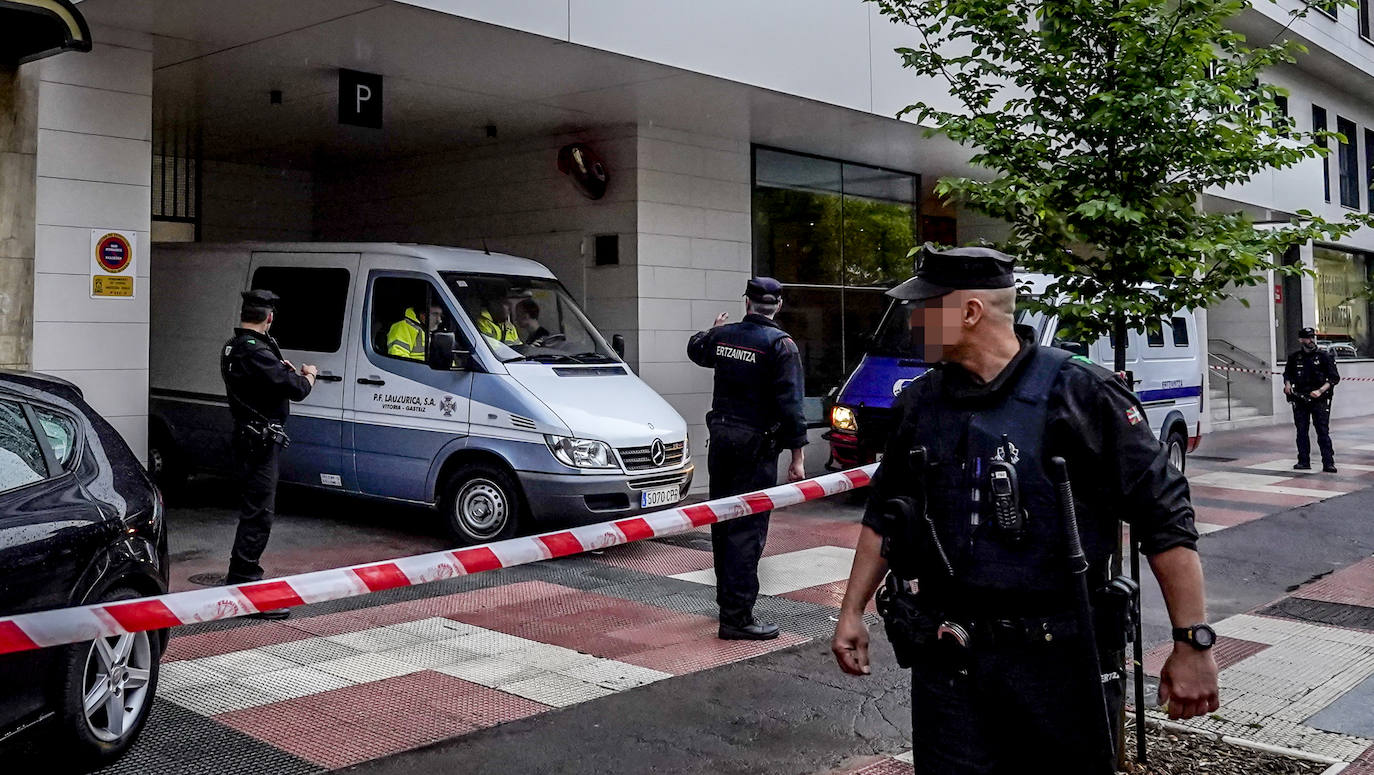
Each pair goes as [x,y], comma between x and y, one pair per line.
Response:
[1167,363]
[517,410]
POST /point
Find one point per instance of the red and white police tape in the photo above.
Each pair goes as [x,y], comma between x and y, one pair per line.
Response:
[1279,373]
[42,629]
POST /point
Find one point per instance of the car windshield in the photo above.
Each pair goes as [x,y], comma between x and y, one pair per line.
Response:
[528,319]
[894,335]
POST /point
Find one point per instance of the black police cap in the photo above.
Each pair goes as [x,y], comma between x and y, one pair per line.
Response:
[939,272]
[260,298]
[764,290]
[1307,333]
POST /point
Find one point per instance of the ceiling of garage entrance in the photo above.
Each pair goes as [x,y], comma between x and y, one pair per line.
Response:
[446,79]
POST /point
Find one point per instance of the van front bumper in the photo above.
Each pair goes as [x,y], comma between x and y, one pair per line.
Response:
[587,499]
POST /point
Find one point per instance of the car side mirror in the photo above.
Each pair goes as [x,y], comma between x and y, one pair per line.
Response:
[1076,348]
[618,344]
[443,353]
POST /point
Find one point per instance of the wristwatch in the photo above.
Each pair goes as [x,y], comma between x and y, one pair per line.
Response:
[1199,636]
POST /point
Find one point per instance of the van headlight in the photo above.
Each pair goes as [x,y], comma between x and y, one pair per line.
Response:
[581,453]
[842,419]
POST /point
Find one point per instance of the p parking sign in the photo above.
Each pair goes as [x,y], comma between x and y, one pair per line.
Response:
[114,258]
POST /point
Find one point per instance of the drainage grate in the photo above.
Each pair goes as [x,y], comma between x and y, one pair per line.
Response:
[1214,458]
[207,579]
[1322,612]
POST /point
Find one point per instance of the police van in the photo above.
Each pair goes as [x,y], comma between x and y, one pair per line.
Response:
[1166,361]
[456,378]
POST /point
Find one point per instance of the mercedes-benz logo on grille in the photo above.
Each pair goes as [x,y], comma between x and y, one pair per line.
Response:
[658,454]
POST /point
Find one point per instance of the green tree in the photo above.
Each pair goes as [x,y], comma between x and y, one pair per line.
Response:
[1101,123]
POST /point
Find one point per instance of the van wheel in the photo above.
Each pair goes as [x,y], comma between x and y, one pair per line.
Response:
[1177,444]
[106,692]
[164,464]
[482,503]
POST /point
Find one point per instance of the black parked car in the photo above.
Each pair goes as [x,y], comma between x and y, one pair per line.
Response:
[80,522]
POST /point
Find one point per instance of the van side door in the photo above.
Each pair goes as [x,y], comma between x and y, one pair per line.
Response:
[403,412]
[312,325]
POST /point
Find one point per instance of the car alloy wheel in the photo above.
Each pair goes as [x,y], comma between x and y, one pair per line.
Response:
[115,689]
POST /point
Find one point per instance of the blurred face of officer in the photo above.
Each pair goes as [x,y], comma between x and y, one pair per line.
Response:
[950,325]
[435,317]
[1308,343]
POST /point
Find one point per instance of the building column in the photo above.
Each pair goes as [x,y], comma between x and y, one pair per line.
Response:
[94,173]
[18,160]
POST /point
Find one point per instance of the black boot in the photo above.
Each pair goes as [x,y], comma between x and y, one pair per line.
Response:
[751,631]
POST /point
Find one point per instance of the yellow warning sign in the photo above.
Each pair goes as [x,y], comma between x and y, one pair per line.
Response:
[104,285]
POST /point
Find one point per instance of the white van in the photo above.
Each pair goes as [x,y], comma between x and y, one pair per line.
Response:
[1167,363]
[547,424]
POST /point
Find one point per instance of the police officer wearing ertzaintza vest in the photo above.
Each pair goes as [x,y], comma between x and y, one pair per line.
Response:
[1309,378]
[1014,633]
[261,386]
[756,411]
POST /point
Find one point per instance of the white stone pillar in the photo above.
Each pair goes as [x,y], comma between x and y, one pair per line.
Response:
[94,171]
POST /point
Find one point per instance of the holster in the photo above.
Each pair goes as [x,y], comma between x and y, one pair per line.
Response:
[261,436]
[907,627]
[1116,614]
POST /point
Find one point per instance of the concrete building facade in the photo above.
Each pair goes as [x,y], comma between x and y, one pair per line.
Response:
[730,131]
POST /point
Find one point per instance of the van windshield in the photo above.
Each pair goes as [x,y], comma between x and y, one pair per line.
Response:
[894,335]
[527,319]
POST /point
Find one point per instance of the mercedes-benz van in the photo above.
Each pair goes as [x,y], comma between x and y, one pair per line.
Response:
[462,379]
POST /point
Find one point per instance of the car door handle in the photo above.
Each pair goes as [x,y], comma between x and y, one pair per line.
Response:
[370,381]
[329,378]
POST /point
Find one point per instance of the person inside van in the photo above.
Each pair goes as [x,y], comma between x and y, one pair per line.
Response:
[495,320]
[527,322]
[407,337]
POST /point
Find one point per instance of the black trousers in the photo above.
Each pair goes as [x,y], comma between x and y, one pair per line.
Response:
[256,465]
[1314,412]
[1026,709]
[739,460]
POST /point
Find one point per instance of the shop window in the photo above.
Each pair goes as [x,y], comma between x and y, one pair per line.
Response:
[1348,163]
[1180,328]
[837,235]
[1319,125]
[310,315]
[1343,306]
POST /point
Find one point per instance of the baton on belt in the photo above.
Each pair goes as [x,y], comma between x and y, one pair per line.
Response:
[1078,566]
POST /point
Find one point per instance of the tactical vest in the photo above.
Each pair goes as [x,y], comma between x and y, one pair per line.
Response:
[957,482]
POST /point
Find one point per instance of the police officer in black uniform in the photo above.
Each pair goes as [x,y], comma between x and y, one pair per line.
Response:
[260,385]
[981,604]
[756,411]
[1309,378]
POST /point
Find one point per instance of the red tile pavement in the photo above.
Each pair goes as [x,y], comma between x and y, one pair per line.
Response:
[1325,482]
[1363,764]
[1258,496]
[346,726]
[655,557]
[1353,585]
[1226,517]
[794,534]
[831,594]
[880,767]
[705,651]
[1227,652]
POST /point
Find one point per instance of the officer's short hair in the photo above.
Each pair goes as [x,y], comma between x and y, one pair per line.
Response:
[530,307]
[760,308]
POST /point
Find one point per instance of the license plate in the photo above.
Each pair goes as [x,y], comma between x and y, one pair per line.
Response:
[660,496]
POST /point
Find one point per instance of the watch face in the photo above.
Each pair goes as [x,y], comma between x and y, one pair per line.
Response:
[1204,636]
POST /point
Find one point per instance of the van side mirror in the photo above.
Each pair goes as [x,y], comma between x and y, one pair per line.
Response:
[1076,348]
[443,353]
[618,344]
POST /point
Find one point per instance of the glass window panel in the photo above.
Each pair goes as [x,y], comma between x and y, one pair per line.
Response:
[797,235]
[777,169]
[878,236]
[811,316]
[1343,319]
[310,315]
[61,432]
[874,183]
[1348,161]
[1154,335]
[21,459]
[1319,125]
[1180,329]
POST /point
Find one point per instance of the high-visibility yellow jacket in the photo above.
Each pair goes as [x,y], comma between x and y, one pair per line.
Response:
[501,332]
[406,338]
